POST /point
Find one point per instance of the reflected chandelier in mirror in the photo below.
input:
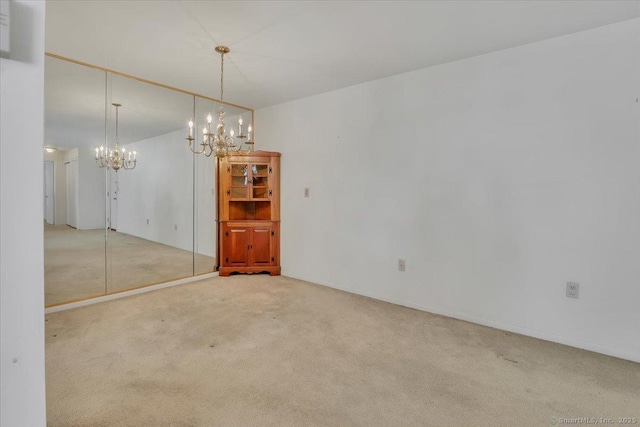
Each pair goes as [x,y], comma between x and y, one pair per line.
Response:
[111,158]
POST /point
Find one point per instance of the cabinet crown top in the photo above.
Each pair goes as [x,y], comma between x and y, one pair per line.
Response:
[258,153]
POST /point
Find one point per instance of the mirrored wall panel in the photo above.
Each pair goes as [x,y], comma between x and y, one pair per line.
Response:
[151,218]
[74,223]
[150,215]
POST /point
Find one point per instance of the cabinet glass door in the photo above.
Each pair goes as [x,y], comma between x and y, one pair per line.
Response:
[239,181]
[260,181]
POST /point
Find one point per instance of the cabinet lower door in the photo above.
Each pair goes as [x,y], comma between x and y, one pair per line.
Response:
[260,253]
[236,241]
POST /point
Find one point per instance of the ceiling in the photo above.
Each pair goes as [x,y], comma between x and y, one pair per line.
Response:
[285,50]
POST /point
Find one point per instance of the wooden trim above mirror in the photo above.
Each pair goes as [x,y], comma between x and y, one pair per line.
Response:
[140,79]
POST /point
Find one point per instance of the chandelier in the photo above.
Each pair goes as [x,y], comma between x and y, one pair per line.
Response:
[112,158]
[218,140]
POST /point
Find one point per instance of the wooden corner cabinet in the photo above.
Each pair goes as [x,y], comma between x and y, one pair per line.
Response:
[249,213]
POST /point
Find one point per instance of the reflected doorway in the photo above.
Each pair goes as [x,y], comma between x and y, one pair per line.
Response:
[71,180]
[113,200]
[49,194]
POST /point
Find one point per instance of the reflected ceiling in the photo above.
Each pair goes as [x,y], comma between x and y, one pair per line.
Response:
[75,106]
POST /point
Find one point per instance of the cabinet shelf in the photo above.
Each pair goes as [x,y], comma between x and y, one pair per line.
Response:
[249,210]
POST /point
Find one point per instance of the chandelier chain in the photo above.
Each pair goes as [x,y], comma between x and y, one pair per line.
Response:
[221,79]
[116,125]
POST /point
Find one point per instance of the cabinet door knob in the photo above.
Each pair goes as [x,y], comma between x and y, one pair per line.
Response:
[228,192]
[270,192]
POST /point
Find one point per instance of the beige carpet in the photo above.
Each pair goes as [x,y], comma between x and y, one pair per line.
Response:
[79,265]
[274,351]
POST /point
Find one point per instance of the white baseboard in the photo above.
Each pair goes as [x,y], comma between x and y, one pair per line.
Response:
[631,355]
[125,294]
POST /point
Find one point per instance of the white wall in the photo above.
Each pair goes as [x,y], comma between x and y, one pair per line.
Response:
[205,206]
[60,187]
[22,387]
[159,189]
[91,188]
[497,178]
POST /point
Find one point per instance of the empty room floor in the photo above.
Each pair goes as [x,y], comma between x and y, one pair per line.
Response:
[275,351]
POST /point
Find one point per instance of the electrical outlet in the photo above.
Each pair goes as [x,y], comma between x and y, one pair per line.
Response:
[147,221]
[175,227]
[573,290]
[306,192]
[401,265]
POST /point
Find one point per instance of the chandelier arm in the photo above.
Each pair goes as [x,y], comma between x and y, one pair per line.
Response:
[211,144]
[127,165]
[192,149]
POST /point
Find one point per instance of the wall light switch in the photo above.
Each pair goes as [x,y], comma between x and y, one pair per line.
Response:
[306,192]
[401,265]
[573,290]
